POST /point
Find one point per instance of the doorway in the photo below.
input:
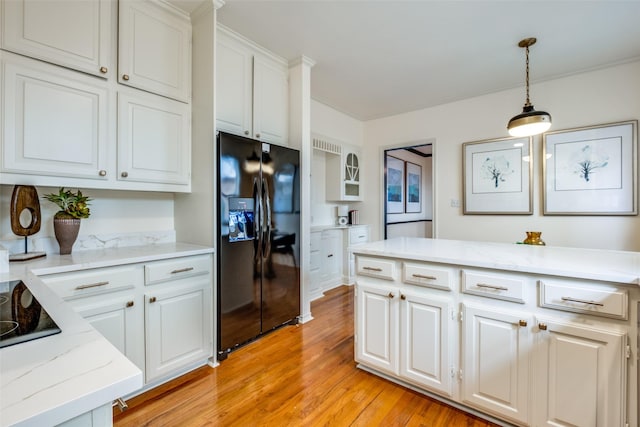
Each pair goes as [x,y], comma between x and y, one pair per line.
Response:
[408,190]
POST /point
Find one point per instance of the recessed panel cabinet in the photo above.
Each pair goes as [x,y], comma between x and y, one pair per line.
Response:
[154,48]
[74,34]
[54,120]
[485,339]
[343,176]
[252,90]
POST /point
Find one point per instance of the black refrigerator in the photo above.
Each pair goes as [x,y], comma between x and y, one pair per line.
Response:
[258,251]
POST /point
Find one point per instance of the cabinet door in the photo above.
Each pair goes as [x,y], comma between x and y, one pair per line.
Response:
[580,376]
[331,258]
[495,359]
[55,120]
[154,49]
[351,176]
[119,319]
[425,341]
[177,325]
[270,101]
[234,91]
[315,265]
[74,34]
[154,139]
[377,337]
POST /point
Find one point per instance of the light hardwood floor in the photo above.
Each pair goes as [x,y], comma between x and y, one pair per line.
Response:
[296,376]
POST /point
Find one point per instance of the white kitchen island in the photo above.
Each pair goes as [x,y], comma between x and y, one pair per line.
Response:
[524,335]
[78,373]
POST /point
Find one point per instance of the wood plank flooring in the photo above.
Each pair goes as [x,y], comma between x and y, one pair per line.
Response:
[301,375]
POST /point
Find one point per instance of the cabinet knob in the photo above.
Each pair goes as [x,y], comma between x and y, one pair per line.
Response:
[102,172]
[129,304]
[403,296]
[329,256]
[542,326]
[391,295]
[125,77]
[246,132]
[124,174]
[257,135]
[152,299]
[103,70]
[522,323]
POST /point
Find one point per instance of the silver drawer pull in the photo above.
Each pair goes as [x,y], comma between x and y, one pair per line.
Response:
[582,301]
[361,237]
[372,268]
[91,285]
[497,288]
[182,270]
[422,276]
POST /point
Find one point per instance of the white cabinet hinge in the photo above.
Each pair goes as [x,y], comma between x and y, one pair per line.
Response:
[628,351]
[460,375]
[462,316]
[453,314]
[453,372]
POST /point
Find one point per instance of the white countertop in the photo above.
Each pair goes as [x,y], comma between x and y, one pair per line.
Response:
[50,380]
[334,226]
[593,264]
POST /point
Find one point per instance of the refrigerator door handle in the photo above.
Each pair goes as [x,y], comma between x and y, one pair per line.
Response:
[257,199]
[266,240]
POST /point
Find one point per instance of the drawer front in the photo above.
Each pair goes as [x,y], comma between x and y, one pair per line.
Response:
[79,284]
[495,286]
[426,275]
[358,235]
[178,268]
[380,268]
[605,300]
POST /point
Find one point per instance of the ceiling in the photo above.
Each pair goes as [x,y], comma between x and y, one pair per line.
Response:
[379,58]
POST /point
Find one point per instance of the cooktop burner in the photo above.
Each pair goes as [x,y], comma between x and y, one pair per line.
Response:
[22,318]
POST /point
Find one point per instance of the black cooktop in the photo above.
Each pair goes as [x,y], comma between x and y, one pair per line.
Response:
[22,318]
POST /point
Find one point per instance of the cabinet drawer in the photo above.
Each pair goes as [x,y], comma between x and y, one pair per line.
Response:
[380,268]
[426,275]
[493,285]
[605,300]
[93,282]
[174,269]
[358,235]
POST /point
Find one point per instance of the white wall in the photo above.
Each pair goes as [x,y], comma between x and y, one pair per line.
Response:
[336,125]
[597,97]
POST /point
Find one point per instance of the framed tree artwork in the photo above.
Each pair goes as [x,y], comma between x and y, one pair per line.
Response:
[497,177]
[395,185]
[591,170]
[413,199]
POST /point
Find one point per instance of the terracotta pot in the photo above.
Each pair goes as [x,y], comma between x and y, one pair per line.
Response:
[66,231]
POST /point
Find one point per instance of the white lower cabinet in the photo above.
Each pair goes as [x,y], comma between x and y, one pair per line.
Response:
[177,326]
[494,341]
[580,375]
[158,314]
[406,334]
[495,353]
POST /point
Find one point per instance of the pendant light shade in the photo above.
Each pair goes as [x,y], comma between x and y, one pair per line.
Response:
[529,122]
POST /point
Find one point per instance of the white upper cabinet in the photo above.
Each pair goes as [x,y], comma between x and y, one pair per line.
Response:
[154,49]
[54,121]
[74,34]
[252,90]
[154,139]
[343,176]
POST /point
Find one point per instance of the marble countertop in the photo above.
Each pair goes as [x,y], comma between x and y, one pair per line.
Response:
[592,264]
[50,380]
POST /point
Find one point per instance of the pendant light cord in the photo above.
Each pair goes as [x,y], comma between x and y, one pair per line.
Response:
[527,103]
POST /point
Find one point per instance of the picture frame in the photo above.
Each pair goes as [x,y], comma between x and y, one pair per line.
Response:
[591,170]
[498,177]
[395,185]
[413,186]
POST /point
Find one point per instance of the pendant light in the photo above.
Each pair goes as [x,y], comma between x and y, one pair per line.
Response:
[529,122]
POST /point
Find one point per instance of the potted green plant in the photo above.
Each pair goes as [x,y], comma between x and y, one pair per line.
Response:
[66,222]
